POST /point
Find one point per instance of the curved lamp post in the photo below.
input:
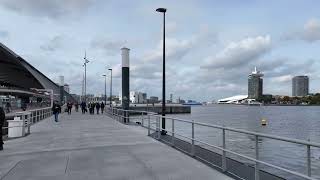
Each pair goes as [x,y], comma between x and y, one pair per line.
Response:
[163,10]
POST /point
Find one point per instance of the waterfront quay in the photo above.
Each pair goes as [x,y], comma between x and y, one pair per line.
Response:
[95,147]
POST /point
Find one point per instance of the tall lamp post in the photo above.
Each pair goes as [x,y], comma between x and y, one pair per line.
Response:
[110,86]
[105,88]
[163,132]
[86,61]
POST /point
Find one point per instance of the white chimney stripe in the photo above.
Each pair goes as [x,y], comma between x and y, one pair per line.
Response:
[125,57]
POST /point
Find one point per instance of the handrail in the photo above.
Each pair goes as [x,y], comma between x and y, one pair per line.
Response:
[257,161]
[298,141]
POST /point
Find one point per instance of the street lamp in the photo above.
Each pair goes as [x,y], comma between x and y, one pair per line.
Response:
[105,88]
[110,86]
[86,61]
[163,132]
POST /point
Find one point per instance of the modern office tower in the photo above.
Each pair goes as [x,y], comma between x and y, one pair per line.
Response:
[255,84]
[300,86]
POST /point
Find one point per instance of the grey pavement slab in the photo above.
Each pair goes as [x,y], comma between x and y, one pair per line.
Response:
[95,147]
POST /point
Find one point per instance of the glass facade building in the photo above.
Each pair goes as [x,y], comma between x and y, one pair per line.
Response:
[255,85]
[300,86]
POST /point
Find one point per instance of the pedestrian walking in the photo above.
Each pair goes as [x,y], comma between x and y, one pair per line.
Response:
[92,105]
[83,107]
[77,106]
[56,109]
[98,107]
[69,107]
[2,119]
[8,107]
[102,107]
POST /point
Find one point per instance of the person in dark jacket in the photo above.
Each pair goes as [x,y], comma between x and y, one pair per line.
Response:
[102,107]
[90,107]
[69,106]
[98,107]
[77,106]
[83,107]
[2,119]
[56,109]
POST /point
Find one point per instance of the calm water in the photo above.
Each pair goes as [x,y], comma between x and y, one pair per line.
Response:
[299,122]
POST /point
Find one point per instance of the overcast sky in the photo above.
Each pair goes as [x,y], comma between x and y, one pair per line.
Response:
[212,46]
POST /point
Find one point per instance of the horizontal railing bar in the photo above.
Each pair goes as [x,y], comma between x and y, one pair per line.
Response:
[297,141]
[285,139]
[246,157]
[252,159]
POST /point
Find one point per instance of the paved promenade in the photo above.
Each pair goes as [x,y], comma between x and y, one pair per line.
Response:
[95,147]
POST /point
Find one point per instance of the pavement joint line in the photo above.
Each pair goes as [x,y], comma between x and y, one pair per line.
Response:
[1,178]
[68,159]
[71,149]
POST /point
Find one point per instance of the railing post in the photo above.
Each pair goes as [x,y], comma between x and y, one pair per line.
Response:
[224,160]
[257,169]
[192,141]
[142,120]
[309,160]
[29,123]
[148,125]
[159,130]
[172,137]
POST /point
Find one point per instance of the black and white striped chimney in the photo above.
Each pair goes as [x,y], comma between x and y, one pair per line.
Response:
[125,80]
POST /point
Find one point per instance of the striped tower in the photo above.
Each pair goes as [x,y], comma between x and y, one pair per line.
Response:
[125,80]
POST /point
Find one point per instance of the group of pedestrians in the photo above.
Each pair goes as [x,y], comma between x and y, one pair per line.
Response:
[92,106]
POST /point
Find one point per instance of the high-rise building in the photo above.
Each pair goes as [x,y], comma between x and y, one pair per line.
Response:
[300,86]
[255,84]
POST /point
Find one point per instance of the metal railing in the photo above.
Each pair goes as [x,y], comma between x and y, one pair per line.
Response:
[33,116]
[123,116]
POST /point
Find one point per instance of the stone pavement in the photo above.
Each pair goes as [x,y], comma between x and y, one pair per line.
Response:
[95,147]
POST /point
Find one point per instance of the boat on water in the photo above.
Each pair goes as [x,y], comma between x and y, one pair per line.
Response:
[192,103]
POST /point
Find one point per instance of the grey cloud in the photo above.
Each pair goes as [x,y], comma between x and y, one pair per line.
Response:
[176,49]
[309,33]
[240,53]
[109,46]
[284,66]
[149,66]
[55,43]
[47,8]
[232,81]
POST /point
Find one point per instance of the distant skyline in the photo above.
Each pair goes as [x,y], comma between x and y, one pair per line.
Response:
[212,46]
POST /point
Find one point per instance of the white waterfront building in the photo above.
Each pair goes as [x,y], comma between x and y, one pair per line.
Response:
[233,100]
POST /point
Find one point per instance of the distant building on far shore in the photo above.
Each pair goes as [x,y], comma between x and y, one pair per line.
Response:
[153,99]
[255,84]
[138,97]
[300,86]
